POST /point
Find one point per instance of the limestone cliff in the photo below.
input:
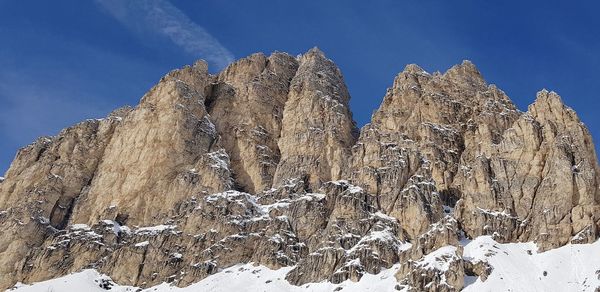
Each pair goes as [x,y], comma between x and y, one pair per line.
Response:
[263,163]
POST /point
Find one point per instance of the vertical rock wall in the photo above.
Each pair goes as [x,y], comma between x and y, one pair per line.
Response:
[263,162]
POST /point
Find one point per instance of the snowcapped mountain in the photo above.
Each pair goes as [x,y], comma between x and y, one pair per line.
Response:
[258,179]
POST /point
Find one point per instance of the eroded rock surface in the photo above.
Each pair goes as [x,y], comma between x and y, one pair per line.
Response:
[263,163]
[248,98]
[540,182]
[318,130]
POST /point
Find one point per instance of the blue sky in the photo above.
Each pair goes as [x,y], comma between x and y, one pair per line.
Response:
[65,61]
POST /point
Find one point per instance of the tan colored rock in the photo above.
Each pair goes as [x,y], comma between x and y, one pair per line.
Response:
[262,163]
[478,269]
[166,150]
[440,234]
[43,185]
[354,239]
[317,129]
[389,166]
[247,105]
[425,126]
[440,270]
[539,183]
[434,260]
[441,111]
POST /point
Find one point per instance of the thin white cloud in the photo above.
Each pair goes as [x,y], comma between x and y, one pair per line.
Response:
[161,17]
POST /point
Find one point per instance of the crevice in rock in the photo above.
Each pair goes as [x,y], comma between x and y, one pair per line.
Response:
[121,218]
[141,267]
[378,190]
[60,214]
[450,196]
[574,172]
[211,96]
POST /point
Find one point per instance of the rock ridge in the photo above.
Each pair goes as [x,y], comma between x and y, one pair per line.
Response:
[263,162]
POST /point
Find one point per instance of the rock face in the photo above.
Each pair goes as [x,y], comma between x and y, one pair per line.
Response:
[263,163]
[43,184]
[318,130]
[156,155]
[539,183]
[249,98]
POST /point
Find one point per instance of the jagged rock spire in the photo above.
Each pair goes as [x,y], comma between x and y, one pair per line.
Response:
[318,129]
[247,102]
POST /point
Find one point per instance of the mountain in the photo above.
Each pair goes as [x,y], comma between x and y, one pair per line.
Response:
[262,164]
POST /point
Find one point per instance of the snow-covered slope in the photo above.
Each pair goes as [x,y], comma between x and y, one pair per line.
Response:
[516,267]
[243,277]
[87,280]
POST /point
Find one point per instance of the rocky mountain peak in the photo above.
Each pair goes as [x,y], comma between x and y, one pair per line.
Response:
[317,70]
[549,106]
[318,130]
[549,99]
[245,68]
[465,76]
[466,70]
[414,69]
[201,65]
[263,163]
[315,52]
